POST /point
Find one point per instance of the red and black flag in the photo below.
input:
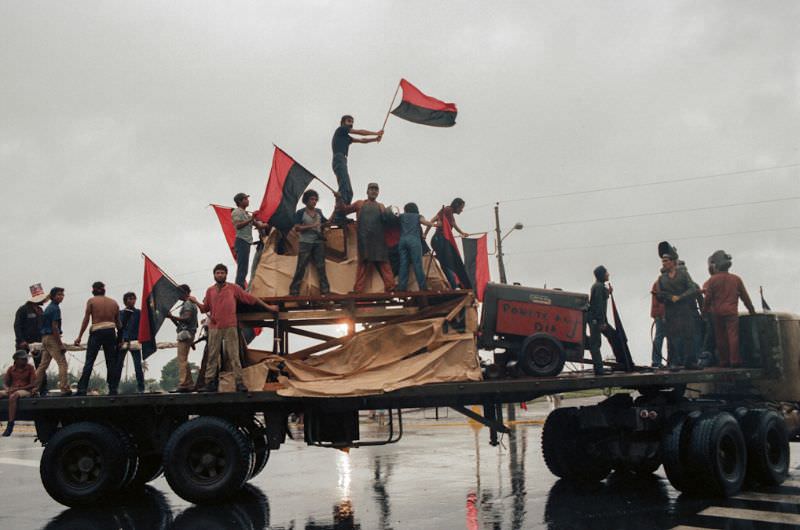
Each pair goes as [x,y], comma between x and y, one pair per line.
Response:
[159,295]
[287,181]
[225,221]
[419,108]
[618,340]
[476,261]
[444,244]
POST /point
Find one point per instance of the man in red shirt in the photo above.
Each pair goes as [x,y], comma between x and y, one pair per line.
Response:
[723,291]
[19,382]
[223,326]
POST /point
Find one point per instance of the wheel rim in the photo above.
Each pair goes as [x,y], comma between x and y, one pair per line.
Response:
[81,465]
[728,456]
[206,460]
[542,356]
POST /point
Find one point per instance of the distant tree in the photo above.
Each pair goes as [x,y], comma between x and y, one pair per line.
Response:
[169,374]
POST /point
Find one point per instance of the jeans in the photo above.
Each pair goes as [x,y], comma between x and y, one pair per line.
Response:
[314,252]
[106,339]
[242,249]
[229,339]
[658,341]
[410,249]
[339,166]
[137,367]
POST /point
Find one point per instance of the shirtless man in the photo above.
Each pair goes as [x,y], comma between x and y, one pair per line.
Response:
[104,313]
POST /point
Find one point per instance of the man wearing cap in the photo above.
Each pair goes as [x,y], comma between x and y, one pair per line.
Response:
[104,314]
[371,216]
[129,337]
[52,347]
[340,144]
[223,327]
[28,328]
[244,224]
[596,316]
[19,382]
[186,326]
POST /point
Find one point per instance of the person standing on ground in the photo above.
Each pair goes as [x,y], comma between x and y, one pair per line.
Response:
[309,222]
[244,224]
[410,246]
[19,382]
[28,328]
[186,326]
[340,144]
[596,316]
[723,291]
[104,315]
[371,216]
[129,337]
[52,347]
[678,292]
[223,326]
[447,213]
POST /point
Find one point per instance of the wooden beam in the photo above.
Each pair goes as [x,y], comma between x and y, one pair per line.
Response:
[308,333]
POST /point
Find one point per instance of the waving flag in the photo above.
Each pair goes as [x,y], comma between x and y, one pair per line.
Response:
[476,261]
[419,108]
[159,295]
[225,221]
[287,181]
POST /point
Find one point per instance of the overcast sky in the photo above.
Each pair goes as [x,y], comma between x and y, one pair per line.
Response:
[121,121]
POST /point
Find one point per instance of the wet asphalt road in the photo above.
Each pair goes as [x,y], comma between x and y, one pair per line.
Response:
[442,475]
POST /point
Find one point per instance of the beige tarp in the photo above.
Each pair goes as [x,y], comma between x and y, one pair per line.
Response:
[384,359]
[273,273]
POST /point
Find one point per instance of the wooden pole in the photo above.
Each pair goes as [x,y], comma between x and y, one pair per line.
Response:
[390,106]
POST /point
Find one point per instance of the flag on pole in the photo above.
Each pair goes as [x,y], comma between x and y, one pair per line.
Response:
[287,181]
[476,261]
[419,108]
[159,295]
[225,221]
[444,244]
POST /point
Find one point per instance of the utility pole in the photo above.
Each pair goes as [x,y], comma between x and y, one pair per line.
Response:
[510,410]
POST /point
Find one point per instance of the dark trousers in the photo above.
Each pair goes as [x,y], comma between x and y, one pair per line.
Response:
[242,249]
[136,355]
[106,339]
[595,340]
[410,249]
[343,180]
[315,253]
[658,341]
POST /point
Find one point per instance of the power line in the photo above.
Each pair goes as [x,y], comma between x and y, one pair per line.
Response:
[650,241]
[664,212]
[639,185]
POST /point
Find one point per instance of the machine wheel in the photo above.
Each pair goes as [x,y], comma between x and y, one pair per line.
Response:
[149,469]
[541,356]
[565,451]
[674,445]
[207,459]
[82,463]
[767,442]
[718,454]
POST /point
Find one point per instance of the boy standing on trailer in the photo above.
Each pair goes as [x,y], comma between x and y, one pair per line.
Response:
[309,222]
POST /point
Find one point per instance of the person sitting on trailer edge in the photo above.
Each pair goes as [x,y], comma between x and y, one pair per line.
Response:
[129,333]
[723,291]
[223,327]
[186,327]
[596,317]
[310,222]
[19,382]
[104,314]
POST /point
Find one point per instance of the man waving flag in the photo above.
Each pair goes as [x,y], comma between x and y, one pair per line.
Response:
[425,110]
[159,294]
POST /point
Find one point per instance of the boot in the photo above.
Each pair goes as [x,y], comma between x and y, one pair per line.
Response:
[9,429]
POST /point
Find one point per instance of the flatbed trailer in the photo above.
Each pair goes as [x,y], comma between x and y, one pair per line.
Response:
[209,445]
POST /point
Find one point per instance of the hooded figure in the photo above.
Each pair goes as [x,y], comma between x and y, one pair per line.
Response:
[596,316]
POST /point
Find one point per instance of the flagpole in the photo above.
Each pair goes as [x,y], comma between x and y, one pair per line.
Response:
[386,119]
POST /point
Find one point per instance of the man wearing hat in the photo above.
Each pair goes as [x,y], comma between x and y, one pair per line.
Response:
[371,216]
[28,328]
[18,382]
[244,224]
[104,314]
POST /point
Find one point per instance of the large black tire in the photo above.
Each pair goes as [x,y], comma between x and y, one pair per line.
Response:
[207,460]
[541,356]
[767,440]
[82,464]
[261,453]
[718,454]
[149,469]
[131,453]
[674,444]
[564,448]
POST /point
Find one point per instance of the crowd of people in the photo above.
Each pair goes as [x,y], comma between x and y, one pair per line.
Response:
[700,324]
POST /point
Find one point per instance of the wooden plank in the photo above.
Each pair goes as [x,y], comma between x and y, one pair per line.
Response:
[308,333]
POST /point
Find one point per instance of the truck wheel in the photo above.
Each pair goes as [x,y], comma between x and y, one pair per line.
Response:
[564,448]
[206,459]
[82,464]
[130,452]
[541,356]
[718,454]
[149,469]
[674,446]
[261,444]
[767,442]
